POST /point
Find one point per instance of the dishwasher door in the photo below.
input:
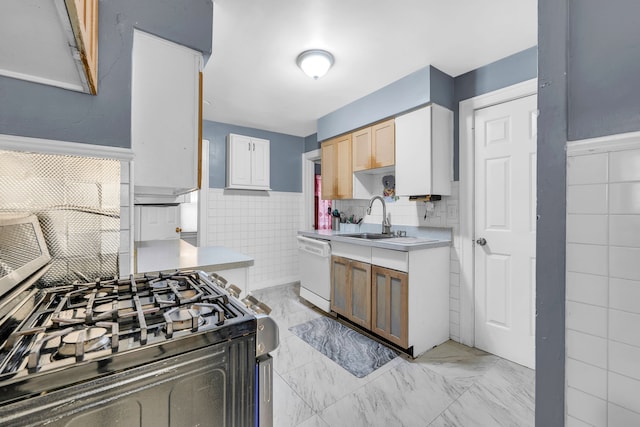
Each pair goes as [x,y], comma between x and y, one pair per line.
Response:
[315,271]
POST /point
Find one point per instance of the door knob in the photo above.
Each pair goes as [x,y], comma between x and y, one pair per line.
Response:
[481,241]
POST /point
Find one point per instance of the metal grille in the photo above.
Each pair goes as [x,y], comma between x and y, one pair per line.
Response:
[77,202]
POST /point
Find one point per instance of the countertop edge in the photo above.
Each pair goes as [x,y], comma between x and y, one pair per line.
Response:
[381,243]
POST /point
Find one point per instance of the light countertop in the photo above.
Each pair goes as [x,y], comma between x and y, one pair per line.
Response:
[167,255]
[418,237]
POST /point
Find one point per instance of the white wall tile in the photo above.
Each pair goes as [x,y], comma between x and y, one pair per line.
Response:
[624,230]
[624,359]
[587,199]
[624,166]
[624,327]
[586,407]
[623,391]
[591,229]
[624,263]
[624,295]
[587,378]
[587,348]
[614,201]
[624,198]
[589,169]
[586,318]
[590,259]
[587,288]
[621,417]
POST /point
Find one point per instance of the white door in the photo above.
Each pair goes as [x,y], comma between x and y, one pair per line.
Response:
[157,222]
[505,217]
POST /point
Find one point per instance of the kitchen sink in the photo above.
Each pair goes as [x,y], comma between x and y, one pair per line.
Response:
[370,236]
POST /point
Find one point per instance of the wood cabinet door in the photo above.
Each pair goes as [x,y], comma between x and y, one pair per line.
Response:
[361,144]
[383,144]
[340,295]
[360,293]
[328,170]
[344,171]
[389,301]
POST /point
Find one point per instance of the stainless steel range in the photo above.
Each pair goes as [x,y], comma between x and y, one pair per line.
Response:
[172,349]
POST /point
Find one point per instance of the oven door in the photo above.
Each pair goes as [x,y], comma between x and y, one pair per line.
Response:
[211,386]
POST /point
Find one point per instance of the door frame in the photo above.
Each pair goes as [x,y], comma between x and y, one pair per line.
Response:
[467,215]
[308,186]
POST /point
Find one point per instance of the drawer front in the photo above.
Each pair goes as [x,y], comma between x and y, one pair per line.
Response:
[395,260]
[358,252]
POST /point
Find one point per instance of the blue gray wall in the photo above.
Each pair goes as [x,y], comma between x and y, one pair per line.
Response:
[588,87]
[516,68]
[551,211]
[604,68]
[286,155]
[402,95]
[35,110]
[311,143]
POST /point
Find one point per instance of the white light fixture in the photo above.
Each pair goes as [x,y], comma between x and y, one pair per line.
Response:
[315,63]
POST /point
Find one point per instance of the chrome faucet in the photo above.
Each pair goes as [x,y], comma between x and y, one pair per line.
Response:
[386,223]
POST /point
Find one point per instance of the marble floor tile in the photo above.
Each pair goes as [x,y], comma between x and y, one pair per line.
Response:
[292,353]
[322,382]
[283,300]
[314,421]
[451,385]
[289,410]
[457,362]
[406,395]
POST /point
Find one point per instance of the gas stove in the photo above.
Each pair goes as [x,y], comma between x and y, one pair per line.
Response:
[84,329]
[59,343]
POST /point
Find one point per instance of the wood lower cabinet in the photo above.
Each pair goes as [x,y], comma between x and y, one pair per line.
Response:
[389,303]
[351,290]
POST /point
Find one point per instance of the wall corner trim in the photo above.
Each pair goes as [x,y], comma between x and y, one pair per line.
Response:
[50,146]
[602,144]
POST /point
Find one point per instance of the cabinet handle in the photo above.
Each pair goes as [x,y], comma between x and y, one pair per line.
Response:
[249,146]
[254,146]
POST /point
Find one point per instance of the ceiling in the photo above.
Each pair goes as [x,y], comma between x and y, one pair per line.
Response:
[252,78]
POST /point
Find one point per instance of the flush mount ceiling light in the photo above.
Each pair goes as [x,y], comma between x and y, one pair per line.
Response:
[315,63]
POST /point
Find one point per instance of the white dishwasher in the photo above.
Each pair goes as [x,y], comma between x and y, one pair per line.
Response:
[315,271]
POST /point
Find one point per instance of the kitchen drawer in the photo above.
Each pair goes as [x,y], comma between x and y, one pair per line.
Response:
[395,260]
[357,252]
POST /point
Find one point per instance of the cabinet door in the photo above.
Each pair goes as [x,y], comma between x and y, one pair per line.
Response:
[361,142]
[83,15]
[239,164]
[344,171]
[340,295]
[360,293]
[390,294]
[260,163]
[164,116]
[328,168]
[383,144]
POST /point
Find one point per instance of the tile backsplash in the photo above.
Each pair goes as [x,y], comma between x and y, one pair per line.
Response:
[603,284]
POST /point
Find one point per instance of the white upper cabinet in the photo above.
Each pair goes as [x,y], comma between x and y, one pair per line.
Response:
[248,163]
[165,116]
[424,143]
